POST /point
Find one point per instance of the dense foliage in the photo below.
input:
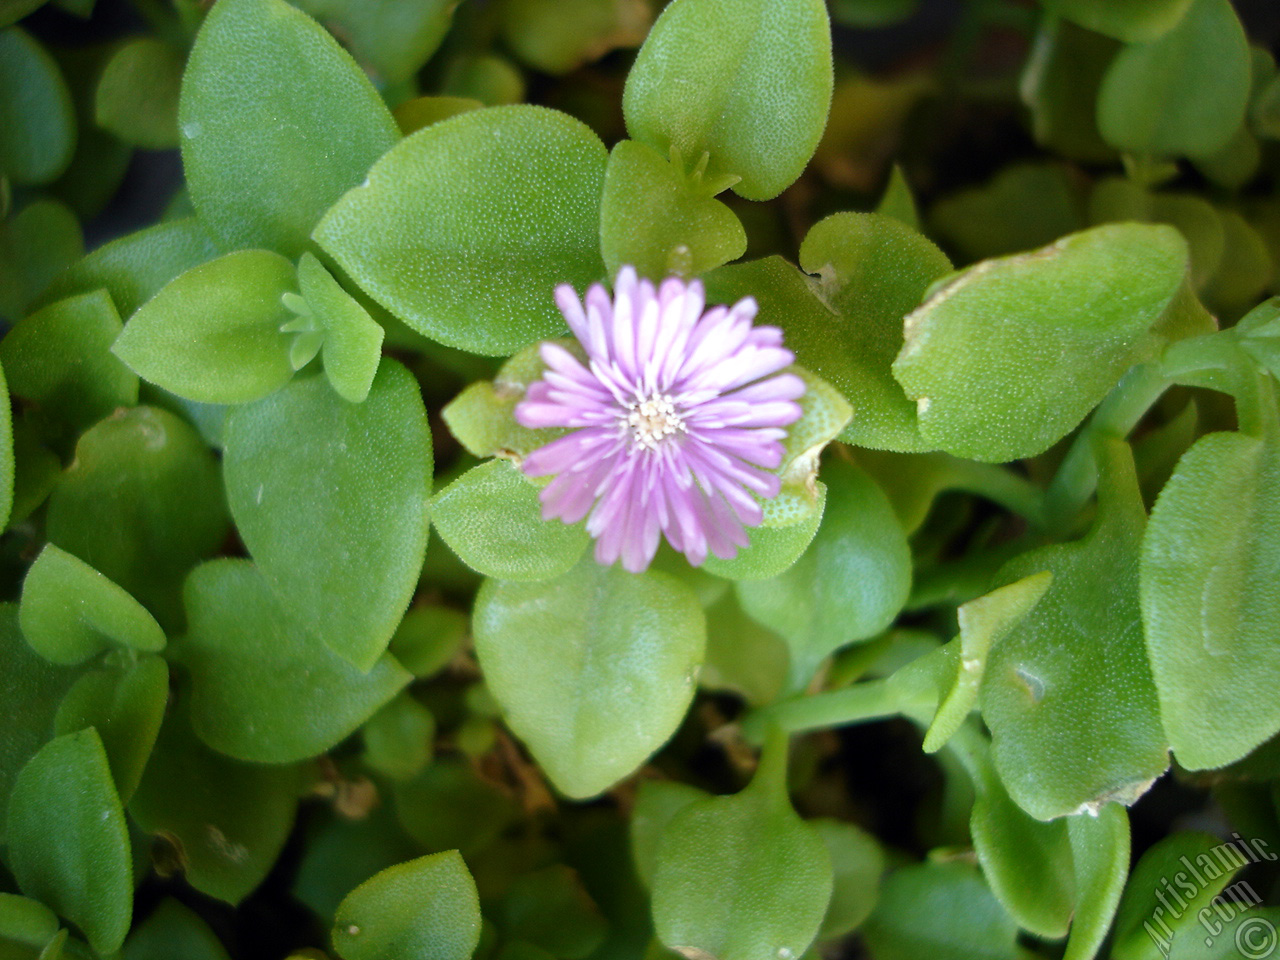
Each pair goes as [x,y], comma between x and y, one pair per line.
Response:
[293,665]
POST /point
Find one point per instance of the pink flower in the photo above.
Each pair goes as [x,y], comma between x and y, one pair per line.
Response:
[679,417]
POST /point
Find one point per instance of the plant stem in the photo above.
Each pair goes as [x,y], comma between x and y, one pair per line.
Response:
[1002,486]
[771,774]
[1118,414]
[872,700]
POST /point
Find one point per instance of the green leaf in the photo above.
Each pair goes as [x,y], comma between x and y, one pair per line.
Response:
[984,622]
[37,122]
[490,517]
[352,339]
[7,467]
[26,922]
[125,704]
[558,36]
[872,13]
[661,220]
[857,864]
[942,911]
[68,846]
[871,272]
[1026,205]
[492,80]
[398,739]
[11,11]
[391,40]
[264,689]
[1265,112]
[343,853]
[141,503]
[594,670]
[1183,94]
[742,877]
[137,97]
[1060,84]
[1011,354]
[743,655]
[1209,598]
[60,358]
[213,333]
[331,500]
[1133,21]
[774,547]
[1100,854]
[849,585]
[277,122]
[657,803]
[1245,272]
[482,417]
[427,908]
[1194,867]
[30,690]
[100,161]
[1117,200]
[897,201]
[173,930]
[1027,863]
[448,806]
[428,638]
[413,115]
[36,244]
[762,72]
[549,908]
[135,267]
[1234,165]
[464,229]
[1068,694]
[226,820]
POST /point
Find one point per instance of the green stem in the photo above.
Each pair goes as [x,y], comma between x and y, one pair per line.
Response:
[1002,486]
[1077,478]
[872,700]
[771,775]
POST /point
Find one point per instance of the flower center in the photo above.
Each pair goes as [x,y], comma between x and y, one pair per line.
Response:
[652,421]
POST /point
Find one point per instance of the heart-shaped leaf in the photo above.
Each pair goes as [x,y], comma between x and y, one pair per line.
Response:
[762,72]
[1209,568]
[277,122]
[126,706]
[464,229]
[228,820]
[1068,693]
[70,611]
[264,689]
[68,845]
[660,221]
[594,669]
[1011,354]
[1185,92]
[426,908]
[331,500]
[213,333]
[490,517]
